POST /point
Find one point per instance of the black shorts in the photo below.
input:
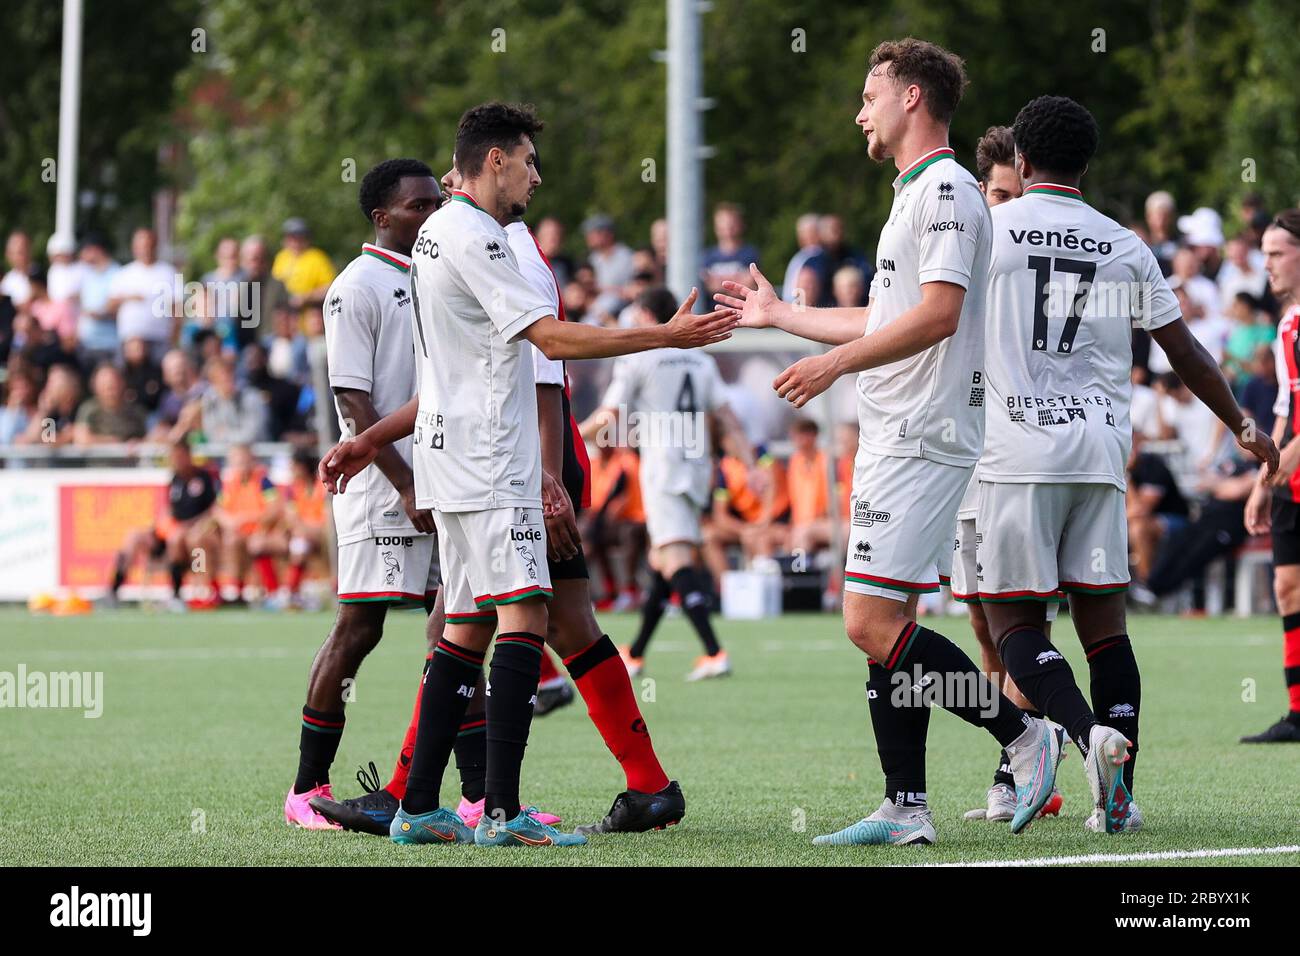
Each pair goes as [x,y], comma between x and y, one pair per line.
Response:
[1286,531]
[574,568]
[159,546]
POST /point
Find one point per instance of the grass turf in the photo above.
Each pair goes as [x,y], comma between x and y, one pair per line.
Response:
[197,744]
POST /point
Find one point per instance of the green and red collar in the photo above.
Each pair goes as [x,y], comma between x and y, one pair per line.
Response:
[929,159]
[1053,189]
[395,259]
[459,195]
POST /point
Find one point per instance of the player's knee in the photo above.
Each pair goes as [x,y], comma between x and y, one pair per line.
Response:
[1286,591]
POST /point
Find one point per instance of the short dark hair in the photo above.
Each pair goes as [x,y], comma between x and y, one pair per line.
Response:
[940,75]
[659,302]
[379,186]
[805,426]
[997,147]
[488,125]
[1288,220]
[1056,134]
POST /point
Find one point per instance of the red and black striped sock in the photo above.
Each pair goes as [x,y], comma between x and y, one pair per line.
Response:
[1116,690]
[946,675]
[402,769]
[1291,662]
[448,688]
[321,733]
[602,681]
[516,664]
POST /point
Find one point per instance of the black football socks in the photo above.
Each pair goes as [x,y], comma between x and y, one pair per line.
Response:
[1044,677]
[1116,688]
[512,682]
[652,610]
[448,689]
[692,586]
[900,722]
[321,733]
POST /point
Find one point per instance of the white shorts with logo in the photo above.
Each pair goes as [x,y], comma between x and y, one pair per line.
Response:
[489,558]
[670,517]
[902,512]
[392,568]
[965,569]
[1038,539]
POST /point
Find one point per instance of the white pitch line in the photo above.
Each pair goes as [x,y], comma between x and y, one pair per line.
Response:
[166,654]
[1128,857]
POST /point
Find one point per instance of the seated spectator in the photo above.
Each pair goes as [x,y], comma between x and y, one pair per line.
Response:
[611,262]
[108,417]
[750,509]
[58,318]
[223,412]
[810,524]
[262,295]
[1243,271]
[41,348]
[182,525]
[16,283]
[183,387]
[1190,422]
[305,523]
[805,233]
[1259,390]
[143,376]
[731,258]
[849,288]
[285,418]
[835,254]
[550,239]
[143,295]
[97,324]
[56,409]
[248,510]
[305,270]
[223,297]
[1156,507]
[286,348]
[1218,529]
[20,406]
[1251,328]
[64,275]
[1203,320]
[615,520]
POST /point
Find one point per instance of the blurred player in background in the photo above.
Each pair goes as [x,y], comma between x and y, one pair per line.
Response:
[1066,286]
[672,397]
[919,349]
[1275,505]
[248,509]
[750,510]
[182,530]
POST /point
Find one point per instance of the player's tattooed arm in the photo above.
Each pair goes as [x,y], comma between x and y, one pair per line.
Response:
[572,340]
[761,308]
[924,325]
[1200,373]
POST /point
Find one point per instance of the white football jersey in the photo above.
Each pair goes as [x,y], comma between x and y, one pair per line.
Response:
[1066,287]
[930,405]
[545,371]
[665,396]
[476,441]
[368,348]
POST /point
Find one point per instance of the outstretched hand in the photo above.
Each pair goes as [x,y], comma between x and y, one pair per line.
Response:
[757,307]
[688,331]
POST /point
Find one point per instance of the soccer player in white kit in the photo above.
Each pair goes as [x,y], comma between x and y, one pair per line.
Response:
[919,348]
[478,466]
[1066,285]
[386,551]
[670,398]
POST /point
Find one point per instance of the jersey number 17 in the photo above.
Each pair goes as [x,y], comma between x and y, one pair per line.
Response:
[1043,266]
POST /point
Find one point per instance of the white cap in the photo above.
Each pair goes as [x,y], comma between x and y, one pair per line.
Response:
[1202,228]
[60,244]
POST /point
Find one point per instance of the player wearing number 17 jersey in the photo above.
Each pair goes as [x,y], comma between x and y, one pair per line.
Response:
[1066,283]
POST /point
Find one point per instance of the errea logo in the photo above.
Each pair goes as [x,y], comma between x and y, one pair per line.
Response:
[1047,656]
[494,250]
[945,191]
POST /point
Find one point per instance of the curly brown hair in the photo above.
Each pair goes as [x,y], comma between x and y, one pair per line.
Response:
[997,147]
[941,75]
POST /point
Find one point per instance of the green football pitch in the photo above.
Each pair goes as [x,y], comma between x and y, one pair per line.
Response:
[197,742]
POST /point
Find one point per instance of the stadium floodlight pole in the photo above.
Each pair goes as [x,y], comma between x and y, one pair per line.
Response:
[65,201]
[685,155]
